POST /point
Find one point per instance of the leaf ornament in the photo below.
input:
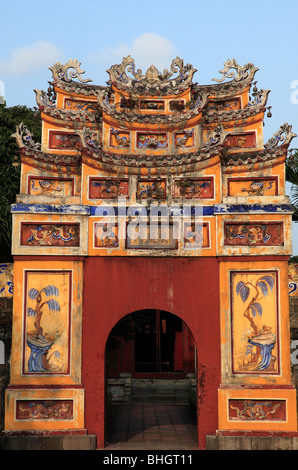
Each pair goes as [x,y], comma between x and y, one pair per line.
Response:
[255,309]
[53,305]
[242,290]
[263,282]
[51,290]
[33,293]
[31,312]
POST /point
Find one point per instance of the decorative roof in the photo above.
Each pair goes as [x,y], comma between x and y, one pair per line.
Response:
[274,148]
[125,77]
[60,72]
[243,72]
[171,83]
[38,157]
[30,149]
[133,114]
[64,79]
[153,82]
[76,115]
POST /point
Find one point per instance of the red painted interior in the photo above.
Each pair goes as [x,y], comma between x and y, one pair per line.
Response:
[115,287]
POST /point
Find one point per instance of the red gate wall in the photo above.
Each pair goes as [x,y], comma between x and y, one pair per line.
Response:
[115,287]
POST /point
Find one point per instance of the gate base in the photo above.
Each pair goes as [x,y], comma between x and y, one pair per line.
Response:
[270,441]
[52,442]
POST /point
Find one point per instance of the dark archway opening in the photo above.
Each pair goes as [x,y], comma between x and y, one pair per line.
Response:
[151,343]
[151,380]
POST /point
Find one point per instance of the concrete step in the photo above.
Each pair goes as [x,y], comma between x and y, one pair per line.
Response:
[155,393]
[159,399]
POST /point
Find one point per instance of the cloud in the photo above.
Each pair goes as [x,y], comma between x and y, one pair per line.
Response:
[148,49]
[28,59]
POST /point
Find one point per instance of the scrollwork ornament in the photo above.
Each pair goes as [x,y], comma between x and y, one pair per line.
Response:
[62,72]
[260,97]
[24,137]
[241,71]
[283,135]
[89,139]
[216,137]
[43,98]
[119,74]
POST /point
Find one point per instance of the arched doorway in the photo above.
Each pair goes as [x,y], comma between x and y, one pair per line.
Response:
[151,343]
[151,381]
[115,287]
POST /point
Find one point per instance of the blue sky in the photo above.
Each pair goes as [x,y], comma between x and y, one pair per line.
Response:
[35,35]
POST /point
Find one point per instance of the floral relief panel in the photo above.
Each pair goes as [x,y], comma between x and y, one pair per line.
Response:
[64,141]
[44,409]
[50,186]
[257,410]
[254,322]
[253,186]
[104,188]
[47,319]
[46,234]
[245,140]
[200,188]
[106,235]
[254,234]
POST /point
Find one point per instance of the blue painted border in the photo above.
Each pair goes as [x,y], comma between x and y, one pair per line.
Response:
[135,210]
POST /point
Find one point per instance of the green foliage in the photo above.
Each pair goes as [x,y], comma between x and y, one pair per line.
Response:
[292,177]
[9,173]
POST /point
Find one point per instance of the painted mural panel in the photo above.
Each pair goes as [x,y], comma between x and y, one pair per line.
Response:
[80,105]
[155,189]
[47,318]
[44,409]
[50,186]
[46,234]
[200,188]
[6,279]
[106,235]
[119,138]
[250,234]
[64,141]
[177,105]
[224,105]
[152,140]
[185,138]
[255,322]
[104,188]
[257,410]
[293,279]
[151,236]
[152,105]
[196,236]
[253,186]
[244,140]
